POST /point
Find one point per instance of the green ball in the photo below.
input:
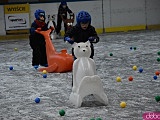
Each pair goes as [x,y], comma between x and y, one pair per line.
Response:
[62,112]
[158,53]
[134,48]
[158,59]
[157,98]
[98,118]
[111,54]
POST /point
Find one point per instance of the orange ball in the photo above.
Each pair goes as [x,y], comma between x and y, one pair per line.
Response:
[130,78]
[157,72]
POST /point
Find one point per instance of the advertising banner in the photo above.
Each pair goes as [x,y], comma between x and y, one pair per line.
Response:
[17,16]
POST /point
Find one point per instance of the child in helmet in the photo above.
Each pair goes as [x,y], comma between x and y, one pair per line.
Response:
[82,31]
[37,41]
[62,12]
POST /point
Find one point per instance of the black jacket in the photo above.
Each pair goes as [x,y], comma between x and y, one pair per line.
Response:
[64,11]
[80,35]
[36,38]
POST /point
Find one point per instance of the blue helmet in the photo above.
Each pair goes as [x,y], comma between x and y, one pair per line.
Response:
[63,3]
[38,13]
[83,17]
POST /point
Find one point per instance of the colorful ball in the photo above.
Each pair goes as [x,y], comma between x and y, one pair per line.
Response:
[158,59]
[111,54]
[140,70]
[155,77]
[37,100]
[44,72]
[157,98]
[45,76]
[123,104]
[11,67]
[130,78]
[62,112]
[134,67]
[118,79]
[158,53]
[157,73]
[15,49]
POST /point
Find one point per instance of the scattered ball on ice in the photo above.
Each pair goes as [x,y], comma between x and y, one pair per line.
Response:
[62,112]
[140,70]
[111,54]
[11,67]
[134,67]
[155,77]
[123,104]
[157,98]
[157,73]
[130,78]
[37,100]
[118,79]
[44,72]
[45,76]
[15,49]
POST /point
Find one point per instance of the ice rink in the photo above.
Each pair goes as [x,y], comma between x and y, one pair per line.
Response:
[20,86]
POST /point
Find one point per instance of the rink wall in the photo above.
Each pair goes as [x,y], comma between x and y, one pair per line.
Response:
[107,15]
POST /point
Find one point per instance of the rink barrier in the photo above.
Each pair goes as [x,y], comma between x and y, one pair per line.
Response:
[14,37]
[125,28]
[99,31]
[153,27]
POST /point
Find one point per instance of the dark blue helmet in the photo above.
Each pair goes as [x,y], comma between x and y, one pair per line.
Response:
[63,3]
[39,13]
[83,17]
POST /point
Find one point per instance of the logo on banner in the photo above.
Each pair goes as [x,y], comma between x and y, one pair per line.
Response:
[12,9]
[17,20]
[151,116]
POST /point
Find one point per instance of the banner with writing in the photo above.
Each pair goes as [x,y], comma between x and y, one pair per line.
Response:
[17,16]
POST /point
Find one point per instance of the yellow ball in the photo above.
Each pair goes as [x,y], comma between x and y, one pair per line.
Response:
[44,71]
[123,104]
[134,67]
[15,49]
[118,79]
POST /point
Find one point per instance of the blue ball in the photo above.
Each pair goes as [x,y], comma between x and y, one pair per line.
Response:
[155,77]
[44,75]
[140,70]
[130,48]
[11,67]
[37,100]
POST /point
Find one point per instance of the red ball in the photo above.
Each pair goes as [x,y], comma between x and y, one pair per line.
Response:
[157,73]
[130,78]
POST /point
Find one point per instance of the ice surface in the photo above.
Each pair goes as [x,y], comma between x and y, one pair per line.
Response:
[20,86]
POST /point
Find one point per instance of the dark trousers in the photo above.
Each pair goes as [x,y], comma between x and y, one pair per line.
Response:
[39,56]
[59,22]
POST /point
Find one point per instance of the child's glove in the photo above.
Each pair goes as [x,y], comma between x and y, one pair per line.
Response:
[92,39]
[68,39]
